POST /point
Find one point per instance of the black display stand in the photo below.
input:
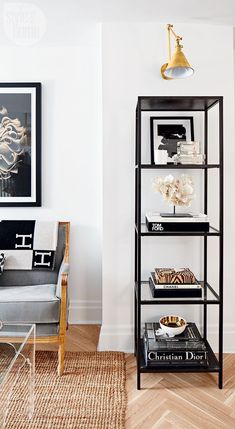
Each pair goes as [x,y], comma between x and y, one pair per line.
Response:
[210,296]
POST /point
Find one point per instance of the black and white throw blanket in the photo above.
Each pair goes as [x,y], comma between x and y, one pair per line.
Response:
[2,261]
[28,244]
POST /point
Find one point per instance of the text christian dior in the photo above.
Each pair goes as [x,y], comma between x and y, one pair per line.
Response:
[171,356]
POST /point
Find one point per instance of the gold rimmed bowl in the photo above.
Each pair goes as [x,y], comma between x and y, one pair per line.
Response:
[172,325]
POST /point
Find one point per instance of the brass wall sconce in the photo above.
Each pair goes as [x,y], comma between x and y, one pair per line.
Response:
[178,66]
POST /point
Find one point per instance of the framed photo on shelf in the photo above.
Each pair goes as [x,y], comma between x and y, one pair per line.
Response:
[20,144]
[167,131]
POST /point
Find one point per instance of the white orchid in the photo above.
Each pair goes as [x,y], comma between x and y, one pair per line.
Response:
[176,191]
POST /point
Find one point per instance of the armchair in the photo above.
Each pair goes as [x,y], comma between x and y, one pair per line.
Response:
[40,297]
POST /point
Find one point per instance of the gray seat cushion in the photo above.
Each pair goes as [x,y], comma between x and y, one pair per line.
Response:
[29,304]
[47,329]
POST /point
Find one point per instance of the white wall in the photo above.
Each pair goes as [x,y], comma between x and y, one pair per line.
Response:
[70,72]
[132,56]
[65,55]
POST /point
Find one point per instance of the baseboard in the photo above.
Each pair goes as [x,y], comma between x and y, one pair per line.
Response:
[120,338]
[228,337]
[116,338]
[85,312]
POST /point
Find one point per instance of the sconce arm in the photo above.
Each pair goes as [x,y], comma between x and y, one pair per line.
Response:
[178,38]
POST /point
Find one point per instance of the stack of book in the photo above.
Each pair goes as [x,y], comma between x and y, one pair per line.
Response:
[185,350]
[174,283]
[194,223]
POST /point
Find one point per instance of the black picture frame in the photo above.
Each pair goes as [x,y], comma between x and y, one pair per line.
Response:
[20,114]
[176,122]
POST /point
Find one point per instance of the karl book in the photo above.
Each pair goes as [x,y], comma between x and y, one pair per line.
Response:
[189,335]
[187,349]
[195,223]
[174,290]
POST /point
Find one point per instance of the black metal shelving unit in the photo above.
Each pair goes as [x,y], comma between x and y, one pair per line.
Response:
[142,293]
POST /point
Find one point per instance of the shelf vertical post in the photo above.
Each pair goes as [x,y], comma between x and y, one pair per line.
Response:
[135,232]
[136,185]
[221,240]
[205,211]
[138,238]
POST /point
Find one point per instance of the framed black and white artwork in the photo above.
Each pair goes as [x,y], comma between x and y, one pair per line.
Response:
[20,144]
[167,131]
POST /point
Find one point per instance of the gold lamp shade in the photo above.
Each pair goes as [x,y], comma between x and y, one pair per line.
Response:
[178,66]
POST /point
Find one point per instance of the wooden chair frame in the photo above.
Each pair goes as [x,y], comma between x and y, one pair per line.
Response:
[60,338]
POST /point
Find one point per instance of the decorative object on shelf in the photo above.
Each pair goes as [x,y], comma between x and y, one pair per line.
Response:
[172,325]
[174,290]
[1,324]
[189,152]
[186,349]
[160,156]
[174,275]
[20,144]
[166,132]
[193,223]
[178,66]
[188,148]
[2,262]
[177,191]
[189,159]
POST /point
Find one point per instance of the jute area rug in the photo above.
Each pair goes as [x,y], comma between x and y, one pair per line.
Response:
[90,395]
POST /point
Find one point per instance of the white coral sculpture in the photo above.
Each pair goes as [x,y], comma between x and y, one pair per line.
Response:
[176,191]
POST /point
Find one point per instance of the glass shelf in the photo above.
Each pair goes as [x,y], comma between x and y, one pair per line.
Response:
[177,103]
[145,232]
[178,166]
[209,296]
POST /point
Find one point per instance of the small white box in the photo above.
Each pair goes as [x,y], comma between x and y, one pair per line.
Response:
[160,156]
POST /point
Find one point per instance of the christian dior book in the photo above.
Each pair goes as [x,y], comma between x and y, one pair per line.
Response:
[190,349]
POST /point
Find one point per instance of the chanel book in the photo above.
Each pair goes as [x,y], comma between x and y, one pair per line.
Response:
[161,290]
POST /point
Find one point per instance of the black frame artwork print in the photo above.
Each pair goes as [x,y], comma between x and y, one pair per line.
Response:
[166,131]
[20,144]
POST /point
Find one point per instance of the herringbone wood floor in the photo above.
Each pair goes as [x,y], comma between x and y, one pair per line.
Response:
[179,401]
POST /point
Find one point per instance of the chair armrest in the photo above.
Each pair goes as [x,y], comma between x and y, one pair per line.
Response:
[62,276]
